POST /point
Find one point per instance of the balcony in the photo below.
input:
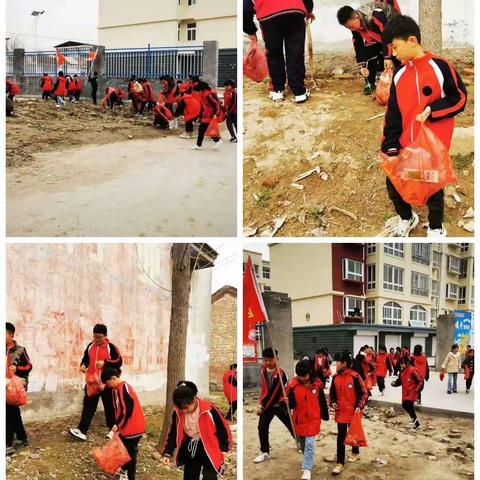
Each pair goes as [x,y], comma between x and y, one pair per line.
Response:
[352,319]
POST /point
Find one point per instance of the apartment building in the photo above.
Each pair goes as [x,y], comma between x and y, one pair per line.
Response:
[169,23]
[261,268]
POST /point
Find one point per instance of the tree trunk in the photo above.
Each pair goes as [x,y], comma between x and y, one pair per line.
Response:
[430,14]
[177,344]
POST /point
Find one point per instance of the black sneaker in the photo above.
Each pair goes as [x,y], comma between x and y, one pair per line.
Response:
[455,391]
[21,444]
[415,425]
[10,450]
[449,393]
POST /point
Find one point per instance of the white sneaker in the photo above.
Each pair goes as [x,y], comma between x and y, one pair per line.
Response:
[276,96]
[302,98]
[122,475]
[110,434]
[306,475]
[186,135]
[437,232]
[405,226]
[195,147]
[218,144]
[261,458]
[78,434]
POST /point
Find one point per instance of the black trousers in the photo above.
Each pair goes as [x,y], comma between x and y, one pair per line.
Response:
[189,125]
[232,124]
[90,407]
[381,383]
[342,434]
[286,32]
[94,95]
[396,370]
[232,410]
[469,381]
[435,204]
[131,444]
[11,97]
[46,94]
[197,464]
[160,121]
[14,424]
[264,424]
[77,96]
[408,406]
[202,129]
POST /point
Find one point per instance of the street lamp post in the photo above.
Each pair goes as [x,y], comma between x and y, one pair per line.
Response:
[36,14]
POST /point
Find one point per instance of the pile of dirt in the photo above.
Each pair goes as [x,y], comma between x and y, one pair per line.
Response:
[38,126]
[54,454]
[334,131]
[442,449]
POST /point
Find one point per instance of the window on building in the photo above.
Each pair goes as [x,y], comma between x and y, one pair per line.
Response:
[453,264]
[179,32]
[464,247]
[418,315]
[393,278]
[463,267]
[462,295]
[433,316]
[395,249]
[371,276]
[392,314]
[452,291]
[435,288]
[266,288]
[437,259]
[419,284]
[266,272]
[192,2]
[244,266]
[472,298]
[371,248]
[352,307]
[255,268]
[370,311]
[421,253]
[352,270]
[191,32]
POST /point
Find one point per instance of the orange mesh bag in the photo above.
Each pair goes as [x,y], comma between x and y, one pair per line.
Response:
[213,130]
[93,384]
[442,374]
[112,455]
[356,436]
[255,63]
[421,170]
[15,390]
[382,91]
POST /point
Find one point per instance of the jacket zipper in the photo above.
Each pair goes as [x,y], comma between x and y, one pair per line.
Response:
[419,99]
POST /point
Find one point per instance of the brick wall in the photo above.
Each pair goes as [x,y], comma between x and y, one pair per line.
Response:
[223,334]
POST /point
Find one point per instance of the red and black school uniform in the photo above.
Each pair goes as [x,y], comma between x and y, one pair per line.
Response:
[469,363]
[113,96]
[111,357]
[163,116]
[169,89]
[137,95]
[70,84]
[16,356]
[149,95]
[411,382]
[60,89]
[429,81]
[348,392]
[188,106]
[230,392]
[384,366]
[283,27]
[46,86]
[420,362]
[202,455]
[230,103]
[12,89]
[210,108]
[370,51]
[393,361]
[272,402]
[78,87]
[130,421]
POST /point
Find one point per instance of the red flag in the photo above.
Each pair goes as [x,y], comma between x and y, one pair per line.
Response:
[253,309]
[92,55]
[60,58]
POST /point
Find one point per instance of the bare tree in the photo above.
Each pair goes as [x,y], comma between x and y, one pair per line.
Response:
[430,14]
[177,344]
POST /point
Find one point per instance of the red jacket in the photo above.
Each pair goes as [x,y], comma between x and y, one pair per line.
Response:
[61,87]
[78,84]
[420,362]
[71,85]
[210,105]
[149,93]
[230,100]
[266,9]
[46,84]
[308,406]
[129,416]
[14,89]
[162,111]
[107,352]
[274,394]
[384,364]
[214,433]
[230,385]
[370,368]
[393,358]
[427,81]
[411,383]
[349,392]
[192,107]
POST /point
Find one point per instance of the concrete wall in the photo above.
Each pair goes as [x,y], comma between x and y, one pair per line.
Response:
[445,338]
[320,309]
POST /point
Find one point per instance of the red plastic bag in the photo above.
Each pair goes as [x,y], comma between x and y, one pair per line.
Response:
[255,63]
[213,130]
[94,385]
[15,390]
[467,372]
[112,455]
[442,374]
[356,436]
[421,170]
[382,91]
[221,116]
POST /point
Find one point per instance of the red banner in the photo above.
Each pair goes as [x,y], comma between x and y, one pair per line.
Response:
[60,58]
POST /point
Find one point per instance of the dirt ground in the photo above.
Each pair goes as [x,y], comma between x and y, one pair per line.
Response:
[54,454]
[441,449]
[348,197]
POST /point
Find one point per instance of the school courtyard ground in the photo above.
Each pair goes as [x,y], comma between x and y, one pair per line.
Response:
[87,171]
[54,454]
[334,131]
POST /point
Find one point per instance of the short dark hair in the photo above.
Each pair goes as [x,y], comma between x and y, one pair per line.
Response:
[60,73]
[202,86]
[229,83]
[190,385]
[100,328]
[268,353]
[455,345]
[10,327]
[344,14]
[233,365]
[345,357]
[303,368]
[405,360]
[108,373]
[184,395]
[401,27]
[382,347]
[417,350]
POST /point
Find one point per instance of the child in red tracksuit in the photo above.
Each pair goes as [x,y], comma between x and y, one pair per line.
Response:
[230,104]
[420,362]
[188,106]
[384,365]
[348,395]
[425,89]
[230,391]
[411,382]
[309,406]
[199,434]
[129,419]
